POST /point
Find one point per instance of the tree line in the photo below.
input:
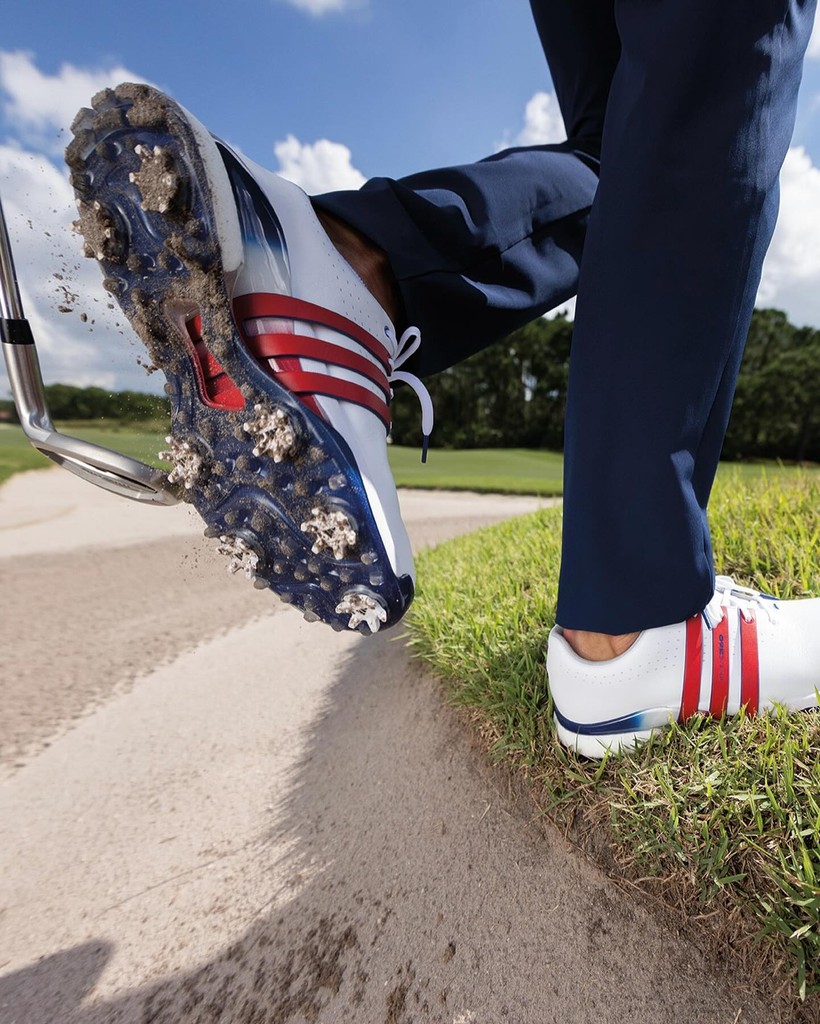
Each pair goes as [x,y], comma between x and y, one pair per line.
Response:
[513,394]
[68,402]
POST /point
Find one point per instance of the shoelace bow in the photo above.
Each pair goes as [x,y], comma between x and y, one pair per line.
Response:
[407,345]
[729,594]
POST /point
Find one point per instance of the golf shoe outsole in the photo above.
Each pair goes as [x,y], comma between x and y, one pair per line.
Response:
[276,485]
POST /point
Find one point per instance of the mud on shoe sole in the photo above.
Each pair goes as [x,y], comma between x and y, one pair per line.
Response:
[276,486]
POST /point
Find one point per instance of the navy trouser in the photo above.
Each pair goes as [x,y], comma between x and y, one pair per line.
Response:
[690,106]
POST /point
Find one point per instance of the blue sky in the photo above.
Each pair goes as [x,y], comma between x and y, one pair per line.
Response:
[405,85]
[367,87]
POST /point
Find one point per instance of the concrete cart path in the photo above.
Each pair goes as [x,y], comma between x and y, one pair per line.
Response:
[277,823]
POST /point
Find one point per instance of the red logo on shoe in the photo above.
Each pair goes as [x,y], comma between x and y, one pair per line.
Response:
[216,388]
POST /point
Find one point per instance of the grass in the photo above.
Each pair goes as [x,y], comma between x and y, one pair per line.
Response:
[500,470]
[16,454]
[719,820]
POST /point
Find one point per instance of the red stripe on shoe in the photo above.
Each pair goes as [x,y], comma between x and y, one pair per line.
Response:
[720,668]
[749,665]
[294,366]
[693,663]
[299,346]
[301,383]
[262,304]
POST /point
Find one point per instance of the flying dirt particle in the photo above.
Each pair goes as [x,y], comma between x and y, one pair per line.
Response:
[58,276]
[64,309]
[84,317]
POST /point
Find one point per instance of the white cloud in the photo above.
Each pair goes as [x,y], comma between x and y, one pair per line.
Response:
[814,43]
[791,273]
[322,166]
[543,124]
[319,7]
[85,342]
[41,106]
[39,207]
[542,121]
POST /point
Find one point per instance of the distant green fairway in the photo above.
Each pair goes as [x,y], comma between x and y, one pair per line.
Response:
[497,470]
[512,470]
[16,454]
[517,470]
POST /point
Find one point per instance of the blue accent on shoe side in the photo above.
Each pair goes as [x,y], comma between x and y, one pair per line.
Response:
[638,722]
[266,266]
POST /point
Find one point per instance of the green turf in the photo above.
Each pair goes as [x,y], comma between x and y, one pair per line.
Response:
[517,470]
[512,470]
[16,454]
[769,467]
[723,818]
[499,470]
[141,442]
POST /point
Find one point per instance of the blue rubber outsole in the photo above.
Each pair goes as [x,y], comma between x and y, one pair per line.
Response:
[163,264]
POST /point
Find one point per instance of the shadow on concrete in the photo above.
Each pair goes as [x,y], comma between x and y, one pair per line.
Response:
[417,889]
[51,989]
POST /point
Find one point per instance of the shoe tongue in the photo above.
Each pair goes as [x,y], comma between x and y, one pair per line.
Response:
[745,600]
[713,612]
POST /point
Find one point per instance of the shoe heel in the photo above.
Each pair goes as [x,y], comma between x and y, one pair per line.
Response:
[596,747]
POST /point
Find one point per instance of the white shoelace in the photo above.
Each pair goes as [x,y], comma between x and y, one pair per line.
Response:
[408,344]
[729,595]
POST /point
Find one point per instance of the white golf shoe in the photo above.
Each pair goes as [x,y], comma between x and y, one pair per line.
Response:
[279,360]
[745,650]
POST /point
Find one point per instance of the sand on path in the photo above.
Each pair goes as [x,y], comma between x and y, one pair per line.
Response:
[213,811]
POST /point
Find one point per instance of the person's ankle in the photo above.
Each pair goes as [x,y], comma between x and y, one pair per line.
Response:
[599,646]
[368,260]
